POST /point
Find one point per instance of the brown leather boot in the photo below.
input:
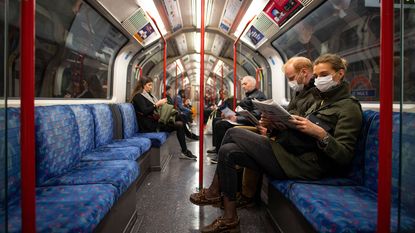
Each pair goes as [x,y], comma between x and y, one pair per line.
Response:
[222,225]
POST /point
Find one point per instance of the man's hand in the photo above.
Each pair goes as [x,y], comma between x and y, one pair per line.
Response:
[232,118]
[262,130]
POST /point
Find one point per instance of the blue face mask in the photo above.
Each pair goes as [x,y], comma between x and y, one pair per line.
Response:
[324,83]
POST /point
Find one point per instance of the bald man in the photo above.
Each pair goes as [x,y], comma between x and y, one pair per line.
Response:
[221,126]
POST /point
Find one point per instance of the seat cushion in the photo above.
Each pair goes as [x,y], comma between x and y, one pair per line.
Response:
[142,143]
[341,208]
[284,186]
[129,119]
[157,138]
[77,208]
[103,124]
[107,153]
[120,173]
[85,121]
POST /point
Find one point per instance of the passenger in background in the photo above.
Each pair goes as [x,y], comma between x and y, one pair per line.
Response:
[333,147]
[92,88]
[168,95]
[181,107]
[299,73]
[221,126]
[145,105]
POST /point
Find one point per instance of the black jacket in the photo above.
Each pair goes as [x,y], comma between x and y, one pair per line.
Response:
[246,103]
[144,110]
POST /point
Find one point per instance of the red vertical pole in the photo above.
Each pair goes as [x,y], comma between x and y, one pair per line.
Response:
[202,90]
[234,61]
[27,127]
[164,55]
[175,85]
[141,71]
[221,84]
[214,88]
[257,75]
[182,81]
[385,127]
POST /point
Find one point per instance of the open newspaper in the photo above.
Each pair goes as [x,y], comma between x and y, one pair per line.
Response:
[249,116]
[227,112]
[274,111]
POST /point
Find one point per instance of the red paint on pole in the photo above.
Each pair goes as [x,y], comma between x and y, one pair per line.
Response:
[202,91]
[234,61]
[385,117]
[27,127]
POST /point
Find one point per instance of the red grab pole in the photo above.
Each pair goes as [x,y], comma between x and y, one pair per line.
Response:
[385,117]
[164,55]
[214,89]
[221,84]
[27,116]
[257,74]
[234,61]
[202,91]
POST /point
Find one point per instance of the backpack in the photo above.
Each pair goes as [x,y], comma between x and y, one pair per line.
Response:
[167,114]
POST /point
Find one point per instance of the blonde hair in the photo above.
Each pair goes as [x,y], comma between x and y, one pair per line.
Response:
[336,62]
[298,63]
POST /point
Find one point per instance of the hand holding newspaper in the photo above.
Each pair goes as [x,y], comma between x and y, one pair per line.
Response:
[274,112]
[249,116]
[227,112]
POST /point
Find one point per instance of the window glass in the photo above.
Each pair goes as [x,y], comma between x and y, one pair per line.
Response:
[75,50]
[352,30]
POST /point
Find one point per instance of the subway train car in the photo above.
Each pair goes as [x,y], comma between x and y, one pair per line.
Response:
[149,116]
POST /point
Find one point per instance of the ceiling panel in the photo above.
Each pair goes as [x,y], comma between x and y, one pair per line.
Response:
[173,13]
[120,11]
[186,12]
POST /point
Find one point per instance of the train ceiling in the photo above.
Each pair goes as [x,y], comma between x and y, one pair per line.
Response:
[179,22]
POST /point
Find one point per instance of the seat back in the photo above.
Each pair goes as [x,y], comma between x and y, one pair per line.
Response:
[129,119]
[85,121]
[357,167]
[13,154]
[103,124]
[57,142]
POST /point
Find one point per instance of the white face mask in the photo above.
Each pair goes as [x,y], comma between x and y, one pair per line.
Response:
[324,83]
[295,86]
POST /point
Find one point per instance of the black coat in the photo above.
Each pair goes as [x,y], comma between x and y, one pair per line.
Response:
[246,103]
[144,110]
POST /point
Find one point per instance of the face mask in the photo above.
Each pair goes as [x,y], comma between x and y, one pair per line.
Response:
[325,82]
[295,86]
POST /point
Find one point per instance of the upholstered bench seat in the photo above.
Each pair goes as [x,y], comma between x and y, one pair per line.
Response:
[75,208]
[119,173]
[108,153]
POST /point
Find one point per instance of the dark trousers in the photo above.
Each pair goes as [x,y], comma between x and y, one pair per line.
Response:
[219,129]
[179,127]
[247,149]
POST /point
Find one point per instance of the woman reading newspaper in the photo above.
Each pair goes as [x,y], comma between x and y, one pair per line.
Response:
[334,149]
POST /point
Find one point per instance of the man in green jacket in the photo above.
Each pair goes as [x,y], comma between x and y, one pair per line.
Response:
[299,73]
[332,125]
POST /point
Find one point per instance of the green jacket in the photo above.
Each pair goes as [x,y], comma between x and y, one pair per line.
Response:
[302,100]
[342,112]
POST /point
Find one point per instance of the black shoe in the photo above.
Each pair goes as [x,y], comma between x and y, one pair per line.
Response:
[187,155]
[194,137]
[212,150]
[214,160]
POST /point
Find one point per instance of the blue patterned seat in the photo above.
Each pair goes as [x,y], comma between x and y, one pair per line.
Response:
[355,173]
[85,122]
[104,131]
[354,208]
[77,208]
[130,126]
[119,173]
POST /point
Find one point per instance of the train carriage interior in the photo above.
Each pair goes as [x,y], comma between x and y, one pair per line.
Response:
[76,158]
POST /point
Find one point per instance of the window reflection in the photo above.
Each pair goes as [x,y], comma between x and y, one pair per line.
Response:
[352,29]
[73,44]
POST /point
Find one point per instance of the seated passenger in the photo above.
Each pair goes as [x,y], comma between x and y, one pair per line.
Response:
[220,126]
[299,73]
[333,151]
[145,105]
[181,107]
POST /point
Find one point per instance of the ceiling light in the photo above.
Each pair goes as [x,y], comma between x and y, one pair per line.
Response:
[254,9]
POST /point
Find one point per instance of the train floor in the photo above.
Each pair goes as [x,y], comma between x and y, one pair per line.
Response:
[163,199]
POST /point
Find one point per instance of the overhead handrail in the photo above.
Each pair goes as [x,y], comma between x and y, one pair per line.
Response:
[234,61]
[164,55]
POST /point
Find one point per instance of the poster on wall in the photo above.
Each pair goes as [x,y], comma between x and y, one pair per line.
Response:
[144,33]
[254,35]
[282,11]
[231,10]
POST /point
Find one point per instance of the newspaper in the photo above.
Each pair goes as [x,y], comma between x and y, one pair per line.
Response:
[249,116]
[274,111]
[227,112]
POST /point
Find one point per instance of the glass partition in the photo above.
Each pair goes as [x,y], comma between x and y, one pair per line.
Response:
[352,30]
[75,51]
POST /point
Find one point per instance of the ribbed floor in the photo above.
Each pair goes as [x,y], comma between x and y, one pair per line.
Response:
[163,199]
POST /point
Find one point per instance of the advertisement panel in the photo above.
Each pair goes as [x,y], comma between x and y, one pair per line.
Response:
[282,11]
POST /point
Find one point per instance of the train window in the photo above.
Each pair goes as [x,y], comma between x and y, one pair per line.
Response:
[75,50]
[354,33]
